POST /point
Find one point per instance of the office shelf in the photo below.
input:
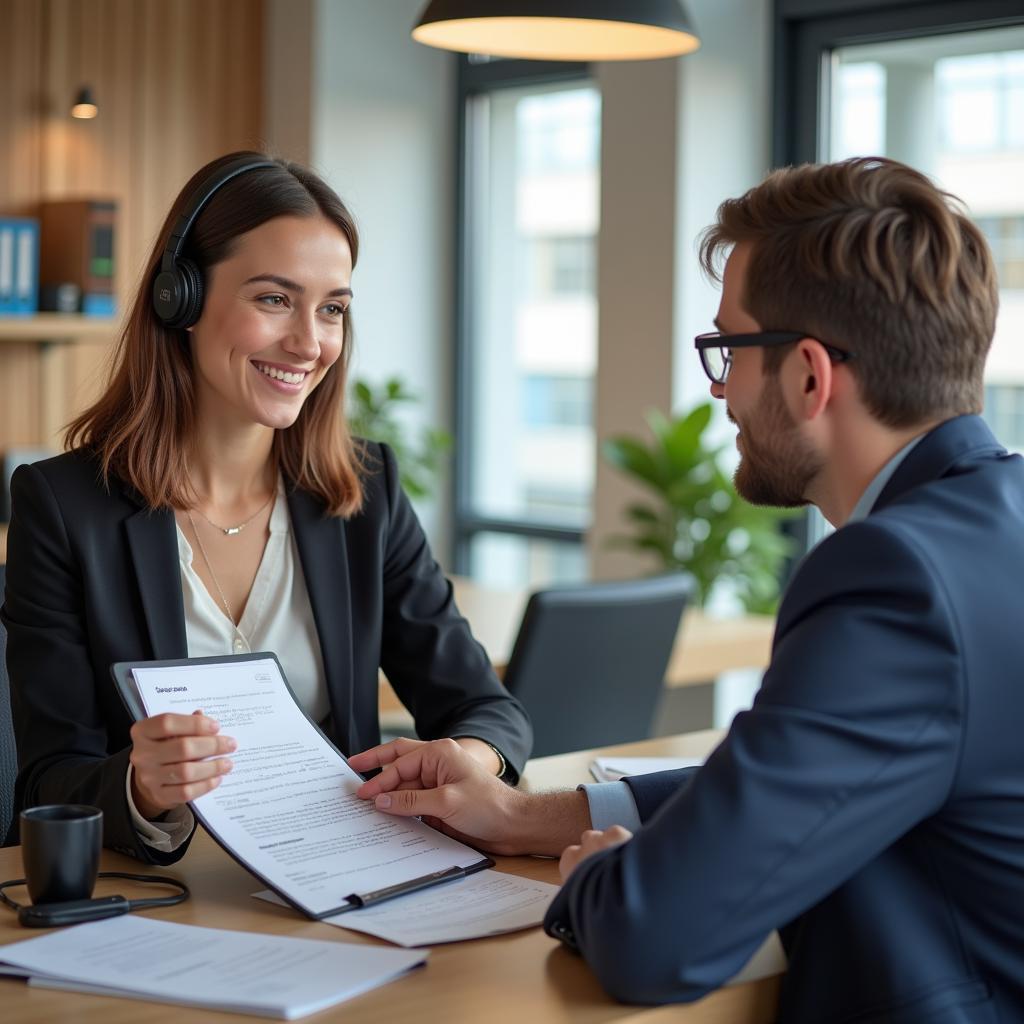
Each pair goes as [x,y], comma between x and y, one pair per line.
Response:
[65,328]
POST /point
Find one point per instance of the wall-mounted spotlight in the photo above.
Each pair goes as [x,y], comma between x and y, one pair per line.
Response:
[559,29]
[85,104]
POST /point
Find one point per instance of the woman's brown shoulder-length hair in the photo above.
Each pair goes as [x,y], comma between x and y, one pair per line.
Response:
[142,428]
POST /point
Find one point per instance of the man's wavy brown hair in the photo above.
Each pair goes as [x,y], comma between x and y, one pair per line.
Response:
[143,426]
[868,255]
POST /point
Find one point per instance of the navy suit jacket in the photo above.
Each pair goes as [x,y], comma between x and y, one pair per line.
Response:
[93,578]
[870,805]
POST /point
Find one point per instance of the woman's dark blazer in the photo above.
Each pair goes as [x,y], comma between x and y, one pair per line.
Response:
[93,578]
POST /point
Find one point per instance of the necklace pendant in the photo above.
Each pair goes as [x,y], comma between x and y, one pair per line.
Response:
[232,530]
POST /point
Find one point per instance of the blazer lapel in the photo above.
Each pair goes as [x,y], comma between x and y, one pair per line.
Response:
[151,540]
[947,444]
[320,540]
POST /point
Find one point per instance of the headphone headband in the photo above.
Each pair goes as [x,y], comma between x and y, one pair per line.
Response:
[178,286]
[202,195]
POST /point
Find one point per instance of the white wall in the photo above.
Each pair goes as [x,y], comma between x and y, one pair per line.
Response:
[380,125]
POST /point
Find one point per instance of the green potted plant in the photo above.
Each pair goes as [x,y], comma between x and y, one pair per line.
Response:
[373,414]
[696,523]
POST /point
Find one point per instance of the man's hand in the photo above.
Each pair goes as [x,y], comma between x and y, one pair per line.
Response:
[591,842]
[447,787]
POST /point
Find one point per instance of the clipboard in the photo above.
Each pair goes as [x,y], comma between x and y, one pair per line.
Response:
[123,674]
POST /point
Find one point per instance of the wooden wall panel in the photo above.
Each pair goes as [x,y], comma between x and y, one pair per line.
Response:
[178,82]
[20,407]
[21,99]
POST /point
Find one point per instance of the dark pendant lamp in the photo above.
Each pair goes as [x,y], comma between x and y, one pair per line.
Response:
[84,105]
[559,29]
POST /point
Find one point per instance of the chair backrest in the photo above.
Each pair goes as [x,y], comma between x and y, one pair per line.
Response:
[589,662]
[8,755]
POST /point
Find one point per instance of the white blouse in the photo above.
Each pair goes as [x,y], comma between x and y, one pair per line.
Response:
[277,617]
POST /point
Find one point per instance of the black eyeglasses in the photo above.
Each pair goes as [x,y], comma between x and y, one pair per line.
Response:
[716,348]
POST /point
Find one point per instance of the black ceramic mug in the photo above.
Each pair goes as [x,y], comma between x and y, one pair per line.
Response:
[60,851]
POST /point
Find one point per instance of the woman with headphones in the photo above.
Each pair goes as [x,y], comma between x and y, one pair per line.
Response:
[212,502]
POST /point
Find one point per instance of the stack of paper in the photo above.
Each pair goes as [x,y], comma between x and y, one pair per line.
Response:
[266,975]
[611,769]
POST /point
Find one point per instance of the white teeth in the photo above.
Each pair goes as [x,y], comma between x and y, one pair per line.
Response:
[272,371]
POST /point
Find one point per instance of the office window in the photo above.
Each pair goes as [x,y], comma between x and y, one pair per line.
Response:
[1006,237]
[1004,411]
[556,401]
[561,266]
[528,343]
[858,125]
[981,101]
[953,107]
[509,562]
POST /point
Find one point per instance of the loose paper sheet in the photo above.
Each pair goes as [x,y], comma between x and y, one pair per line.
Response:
[288,808]
[266,975]
[611,769]
[487,903]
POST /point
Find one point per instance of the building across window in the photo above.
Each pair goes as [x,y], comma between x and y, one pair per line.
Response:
[528,347]
[1004,413]
[557,401]
[1006,237]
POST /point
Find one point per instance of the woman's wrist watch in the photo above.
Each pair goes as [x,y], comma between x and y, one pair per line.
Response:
[502,763]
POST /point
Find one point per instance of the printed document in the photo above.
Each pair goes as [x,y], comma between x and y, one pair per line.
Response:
[487,903]
[288,809]
[245,972]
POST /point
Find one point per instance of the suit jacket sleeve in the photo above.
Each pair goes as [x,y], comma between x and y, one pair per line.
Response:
[66,753]
[851,741]
[439,671]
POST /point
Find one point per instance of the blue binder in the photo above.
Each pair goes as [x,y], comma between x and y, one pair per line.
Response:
[19,266]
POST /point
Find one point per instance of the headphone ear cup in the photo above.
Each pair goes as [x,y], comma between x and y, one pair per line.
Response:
[167,286]
[191,294]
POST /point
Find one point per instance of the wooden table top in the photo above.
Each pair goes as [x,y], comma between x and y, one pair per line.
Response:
[514,978]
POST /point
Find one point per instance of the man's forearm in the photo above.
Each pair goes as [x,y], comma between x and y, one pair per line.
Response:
[546,823]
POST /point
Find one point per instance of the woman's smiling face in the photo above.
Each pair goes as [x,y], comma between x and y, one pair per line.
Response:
[272,323]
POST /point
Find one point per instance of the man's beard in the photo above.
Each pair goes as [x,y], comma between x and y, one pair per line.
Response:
[777,465]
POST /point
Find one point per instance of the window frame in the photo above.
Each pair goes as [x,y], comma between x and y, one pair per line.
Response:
[472,80]
[806,31]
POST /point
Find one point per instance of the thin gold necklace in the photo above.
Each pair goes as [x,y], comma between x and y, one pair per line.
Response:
[209,567]
[230,531]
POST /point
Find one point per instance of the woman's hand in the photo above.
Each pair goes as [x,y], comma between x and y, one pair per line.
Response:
[176,759]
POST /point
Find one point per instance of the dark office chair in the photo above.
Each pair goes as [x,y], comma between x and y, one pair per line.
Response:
[589,662]
[8,757]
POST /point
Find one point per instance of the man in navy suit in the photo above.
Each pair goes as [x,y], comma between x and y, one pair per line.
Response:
[870,805]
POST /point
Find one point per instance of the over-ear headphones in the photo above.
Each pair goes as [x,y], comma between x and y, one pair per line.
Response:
[178,287]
